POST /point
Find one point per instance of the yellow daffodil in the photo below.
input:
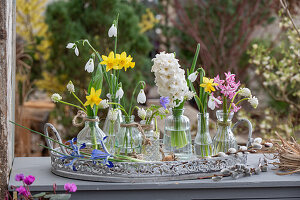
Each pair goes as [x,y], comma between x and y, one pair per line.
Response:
[110,61]
[93,99]
[129,63]
[122,59]
[208,84]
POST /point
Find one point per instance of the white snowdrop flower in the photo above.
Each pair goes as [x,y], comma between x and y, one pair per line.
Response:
[212,102]
[158,31]
[70,45]
[70,87]
[103,104]
[257,140]
[142,113]
[76,51]
[243,148]
[253,101]
[254,46]
[56,97]
[158,17]
[119,93]
[112,32]
[256,146]
[148,113]
[163,111]
[89,66]
[193,76]
[141,98]
[245,92]
[268,144]
[222,154]
[232,150]
[112,114]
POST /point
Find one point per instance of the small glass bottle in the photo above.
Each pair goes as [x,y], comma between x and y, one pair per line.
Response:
[111,128]
[203,142]
[91,134]
[150,150]
[177,136]
[224,138]
[129,138]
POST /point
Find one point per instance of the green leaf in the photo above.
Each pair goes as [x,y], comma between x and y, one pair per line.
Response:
[39,195]
[58,196]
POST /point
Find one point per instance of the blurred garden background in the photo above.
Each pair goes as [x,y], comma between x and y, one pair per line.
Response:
[251,38]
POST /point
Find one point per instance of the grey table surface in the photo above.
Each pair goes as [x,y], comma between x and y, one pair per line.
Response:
[267,185]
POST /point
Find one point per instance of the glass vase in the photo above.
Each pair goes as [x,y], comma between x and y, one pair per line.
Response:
[129,139]
[177,136]
[150,150]
[91,134]
[224,138]
[111,128]
[203,142]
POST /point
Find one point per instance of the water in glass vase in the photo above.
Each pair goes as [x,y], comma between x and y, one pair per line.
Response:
[177,136]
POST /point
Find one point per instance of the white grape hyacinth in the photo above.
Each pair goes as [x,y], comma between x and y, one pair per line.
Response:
[253,101]
[142,113]
[89,66]
[170,78]
[56,97]
[70,87]
[245,92]
[103,104]
[141,98]
[112,32]
[112,114]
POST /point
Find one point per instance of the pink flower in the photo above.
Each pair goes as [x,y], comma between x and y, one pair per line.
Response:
[22,191]
[228,91]
[70,187]
[29,180]
[230,77]
[235,108]
[19,177]
[220,82]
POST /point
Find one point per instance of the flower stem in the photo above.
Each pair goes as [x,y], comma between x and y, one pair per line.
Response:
[78,100]
[70,104]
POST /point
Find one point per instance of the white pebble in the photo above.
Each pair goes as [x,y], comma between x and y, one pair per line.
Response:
[258,140]
[232,150]
[222,154]
[256,146]
[243,148]
[268,144]
[239,154]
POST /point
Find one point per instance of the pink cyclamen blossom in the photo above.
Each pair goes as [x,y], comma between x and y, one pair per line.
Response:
[29,180]
[235,108]
[22,191]
[19,177]
[220,82]
[70,187]
[230,77]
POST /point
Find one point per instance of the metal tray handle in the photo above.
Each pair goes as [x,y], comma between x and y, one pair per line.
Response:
[49,142]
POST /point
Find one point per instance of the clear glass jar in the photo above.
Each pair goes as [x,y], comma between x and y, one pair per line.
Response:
[111,128]
[203,142]
[177,136]
[224,138]
[91,134]
[129,139]
[151,151]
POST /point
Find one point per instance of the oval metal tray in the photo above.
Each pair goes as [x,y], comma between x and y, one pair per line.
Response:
[137,171]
